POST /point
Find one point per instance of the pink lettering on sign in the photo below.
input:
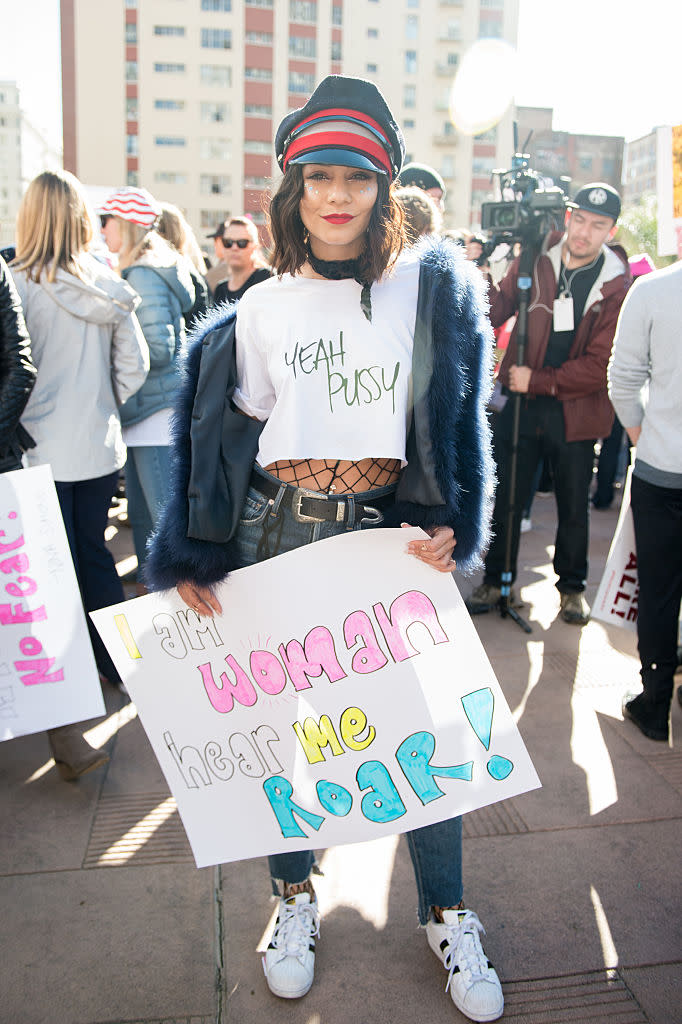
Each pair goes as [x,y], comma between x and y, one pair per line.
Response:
[37,670]
[316,657]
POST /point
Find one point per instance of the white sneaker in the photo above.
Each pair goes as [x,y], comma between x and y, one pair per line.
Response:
[289,961]
[472,980]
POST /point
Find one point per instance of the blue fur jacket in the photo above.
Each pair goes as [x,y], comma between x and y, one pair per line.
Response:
[449,476]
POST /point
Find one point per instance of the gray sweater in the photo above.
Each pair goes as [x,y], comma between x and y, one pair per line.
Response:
[645,374]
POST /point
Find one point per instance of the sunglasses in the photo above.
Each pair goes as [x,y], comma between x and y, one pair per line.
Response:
[241,243]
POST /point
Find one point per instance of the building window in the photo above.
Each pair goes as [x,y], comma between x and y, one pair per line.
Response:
[216,38]
[169,104]
[337,15]
[131,4]
[453,60]
[585,163]
[209,218]
[300,81]
[254,181]
[303,10]
[214,149]
[169,140]
[608,167]
[482,165]
[169,30]
[216,5]
[133,179]
[410,62]
[170,178]
[215,74]
[131,33]
[336,50]
[413,3]
[169,69]
[447,167]
[211,111]
[409,95]
[214,184]
[131,109]
[257,110]
[259,3]
[302,46]
[489,136]
[372,33]
[408,122]
[411,26]
[256,146]
[453,30]
[131,145]
[258,74]
[131,71]
[372,68]
[258,38]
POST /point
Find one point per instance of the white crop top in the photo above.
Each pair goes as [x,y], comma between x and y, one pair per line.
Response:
[330,384]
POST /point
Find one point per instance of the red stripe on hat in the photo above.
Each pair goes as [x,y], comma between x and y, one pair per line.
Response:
[357,115]
[339,140]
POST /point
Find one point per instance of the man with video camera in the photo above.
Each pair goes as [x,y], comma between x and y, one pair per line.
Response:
[578,286]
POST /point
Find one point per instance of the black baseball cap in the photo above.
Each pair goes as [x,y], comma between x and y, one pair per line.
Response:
[346,121]
[220,230]
[598,197]
[422,176]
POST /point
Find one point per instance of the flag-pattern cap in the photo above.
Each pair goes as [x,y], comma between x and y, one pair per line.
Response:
[134,204]
[346,121]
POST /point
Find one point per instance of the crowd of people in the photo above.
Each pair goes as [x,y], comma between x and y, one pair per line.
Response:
[90,351]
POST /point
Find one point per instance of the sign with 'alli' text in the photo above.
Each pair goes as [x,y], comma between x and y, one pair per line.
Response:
[342,695]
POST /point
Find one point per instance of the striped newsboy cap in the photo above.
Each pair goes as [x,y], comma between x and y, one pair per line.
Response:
[346,121]
[134,204]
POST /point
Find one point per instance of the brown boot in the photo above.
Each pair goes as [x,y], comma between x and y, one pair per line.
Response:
[72,753]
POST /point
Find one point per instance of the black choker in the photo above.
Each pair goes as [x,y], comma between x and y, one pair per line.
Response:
[343,270]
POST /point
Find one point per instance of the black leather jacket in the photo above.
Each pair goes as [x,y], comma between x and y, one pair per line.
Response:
[17,373]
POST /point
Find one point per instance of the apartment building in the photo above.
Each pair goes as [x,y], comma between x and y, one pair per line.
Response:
[184,96]
[24,152]
[582,158]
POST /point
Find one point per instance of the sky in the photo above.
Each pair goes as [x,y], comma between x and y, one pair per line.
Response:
[606,68]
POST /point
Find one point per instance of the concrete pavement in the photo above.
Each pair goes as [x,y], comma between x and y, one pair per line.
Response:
[107,921]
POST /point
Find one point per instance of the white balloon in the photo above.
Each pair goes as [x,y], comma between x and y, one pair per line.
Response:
[484,86]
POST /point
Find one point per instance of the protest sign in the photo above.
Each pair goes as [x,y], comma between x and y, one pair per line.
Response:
[343,695]
[618,594]
[48,675]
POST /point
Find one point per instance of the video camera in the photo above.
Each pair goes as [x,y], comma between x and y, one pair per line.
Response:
[527,209]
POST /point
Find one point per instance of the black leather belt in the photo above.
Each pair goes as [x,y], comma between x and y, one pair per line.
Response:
[314,507]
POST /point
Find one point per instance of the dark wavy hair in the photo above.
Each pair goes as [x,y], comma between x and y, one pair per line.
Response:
[385,233]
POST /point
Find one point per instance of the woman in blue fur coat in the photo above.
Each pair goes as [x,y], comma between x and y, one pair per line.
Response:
[347,392]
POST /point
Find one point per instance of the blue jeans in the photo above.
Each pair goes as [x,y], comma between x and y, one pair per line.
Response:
[147,472]
[269,528]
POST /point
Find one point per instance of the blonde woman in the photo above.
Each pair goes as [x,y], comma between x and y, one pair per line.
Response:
[177,232]
[162,280]
[91,357]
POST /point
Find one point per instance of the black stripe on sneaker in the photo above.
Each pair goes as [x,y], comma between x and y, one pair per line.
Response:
[444,944]
[311,947]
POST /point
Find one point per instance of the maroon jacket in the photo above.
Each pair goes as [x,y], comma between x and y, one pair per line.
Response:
[580,383]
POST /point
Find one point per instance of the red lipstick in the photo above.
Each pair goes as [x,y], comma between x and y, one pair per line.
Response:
[338,218]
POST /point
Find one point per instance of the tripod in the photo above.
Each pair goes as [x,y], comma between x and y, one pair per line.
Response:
[524,285]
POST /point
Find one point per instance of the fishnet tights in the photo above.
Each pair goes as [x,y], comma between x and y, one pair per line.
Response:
[334,476]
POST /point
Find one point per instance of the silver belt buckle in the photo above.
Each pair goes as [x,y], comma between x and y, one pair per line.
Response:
[301,493]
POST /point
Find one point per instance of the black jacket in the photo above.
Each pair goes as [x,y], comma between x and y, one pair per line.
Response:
[449,478]
[17,373]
